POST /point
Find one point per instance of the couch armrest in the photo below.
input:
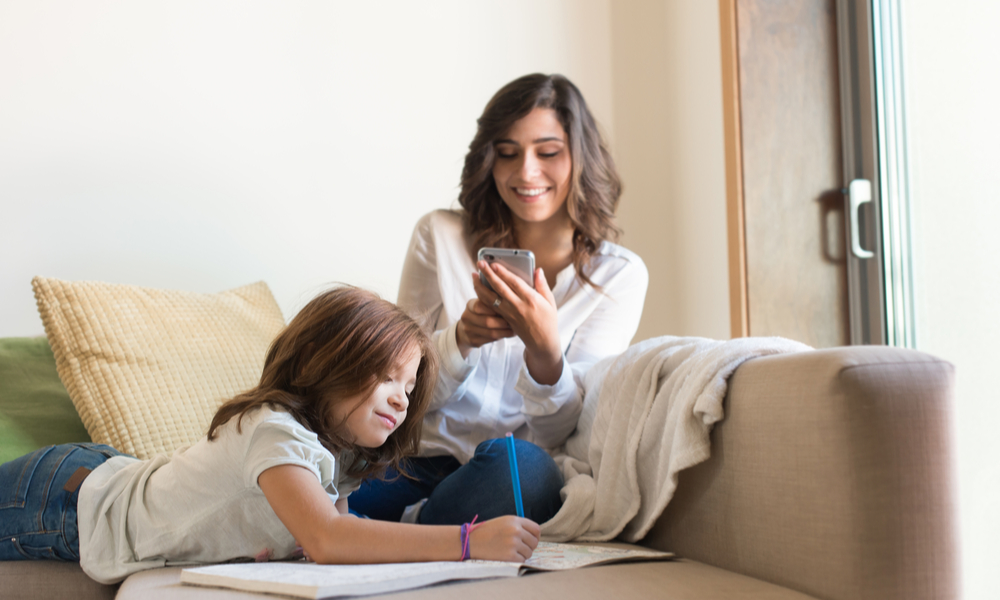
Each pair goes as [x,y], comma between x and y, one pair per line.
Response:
[832,474]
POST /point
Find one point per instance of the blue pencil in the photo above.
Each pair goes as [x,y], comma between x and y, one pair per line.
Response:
[514,477]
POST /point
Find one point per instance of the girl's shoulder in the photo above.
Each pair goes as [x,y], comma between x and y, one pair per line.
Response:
[271,433]
[276,416]
[264,412]
[268,417]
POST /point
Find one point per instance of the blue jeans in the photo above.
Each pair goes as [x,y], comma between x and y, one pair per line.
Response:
[456,493]
[37,512]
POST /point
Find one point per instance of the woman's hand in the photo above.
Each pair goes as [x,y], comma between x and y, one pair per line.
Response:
[509,538]
[531,314]
[479,325]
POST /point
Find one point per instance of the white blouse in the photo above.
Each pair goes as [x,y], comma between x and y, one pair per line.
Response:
[476,398]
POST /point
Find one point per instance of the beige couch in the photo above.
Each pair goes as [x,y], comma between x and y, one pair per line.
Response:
[831,477]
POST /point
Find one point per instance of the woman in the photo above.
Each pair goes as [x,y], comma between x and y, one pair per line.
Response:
[537,177]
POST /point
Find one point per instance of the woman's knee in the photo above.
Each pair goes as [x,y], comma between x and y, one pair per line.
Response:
[539,476]
[387,499]
[531,459]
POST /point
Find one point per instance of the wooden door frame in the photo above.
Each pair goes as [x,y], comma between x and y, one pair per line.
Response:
[739,311]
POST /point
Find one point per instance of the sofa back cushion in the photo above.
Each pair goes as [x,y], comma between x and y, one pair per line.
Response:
[147,368]
[35,409]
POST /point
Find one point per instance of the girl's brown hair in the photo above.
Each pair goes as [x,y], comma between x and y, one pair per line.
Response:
[595,186]
[341,345]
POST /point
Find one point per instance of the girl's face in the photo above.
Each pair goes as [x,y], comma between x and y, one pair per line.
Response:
[533,167]
[370,420]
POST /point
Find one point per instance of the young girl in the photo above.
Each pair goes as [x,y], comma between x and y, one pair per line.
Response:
[274,472]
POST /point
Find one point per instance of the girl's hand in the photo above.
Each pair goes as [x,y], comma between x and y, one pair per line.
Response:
[479,325]
[532,316]
[509,538]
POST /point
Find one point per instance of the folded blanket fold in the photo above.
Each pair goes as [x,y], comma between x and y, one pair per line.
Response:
[647,415]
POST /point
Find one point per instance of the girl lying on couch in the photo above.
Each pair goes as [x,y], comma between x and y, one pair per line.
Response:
[273,475]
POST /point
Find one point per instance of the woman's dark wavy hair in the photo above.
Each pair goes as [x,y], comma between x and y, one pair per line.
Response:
[595,186]
[342,344]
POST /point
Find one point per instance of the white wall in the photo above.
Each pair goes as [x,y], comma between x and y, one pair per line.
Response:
[202,145]
[952,63]
[669,141]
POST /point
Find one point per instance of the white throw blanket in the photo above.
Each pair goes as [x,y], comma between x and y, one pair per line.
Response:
[647,415]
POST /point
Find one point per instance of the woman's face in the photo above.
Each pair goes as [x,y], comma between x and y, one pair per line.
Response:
[532,168]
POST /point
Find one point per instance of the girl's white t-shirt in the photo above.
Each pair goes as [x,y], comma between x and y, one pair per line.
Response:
[201,505]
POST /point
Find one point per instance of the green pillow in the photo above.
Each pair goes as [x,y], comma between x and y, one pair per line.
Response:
[35,409]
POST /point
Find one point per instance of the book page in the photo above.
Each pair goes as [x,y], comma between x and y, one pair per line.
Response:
[550,556]
[309,580]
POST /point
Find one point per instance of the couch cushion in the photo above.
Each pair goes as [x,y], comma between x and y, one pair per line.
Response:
[35,409]
[673,580]
[49,579]
[146,368]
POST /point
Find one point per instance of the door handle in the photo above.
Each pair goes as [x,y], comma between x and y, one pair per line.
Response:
[858,192]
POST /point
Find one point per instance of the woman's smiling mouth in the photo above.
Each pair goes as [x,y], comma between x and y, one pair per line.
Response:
[530,192]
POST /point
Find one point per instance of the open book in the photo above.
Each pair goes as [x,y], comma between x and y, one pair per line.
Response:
[309,580]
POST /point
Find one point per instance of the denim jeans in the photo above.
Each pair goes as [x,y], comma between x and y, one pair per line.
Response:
[456,493]
[37,515]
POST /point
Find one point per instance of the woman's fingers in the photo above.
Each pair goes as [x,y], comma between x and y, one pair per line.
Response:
[532,315]
[478,307]
[480,325]
[484,316]
[512,281]
[486,334]
[485,295]
[500,287]
[542,287]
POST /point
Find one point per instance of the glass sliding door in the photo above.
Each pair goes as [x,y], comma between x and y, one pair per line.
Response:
[876,184]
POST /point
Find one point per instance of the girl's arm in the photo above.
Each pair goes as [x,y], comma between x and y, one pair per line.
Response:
[302,505]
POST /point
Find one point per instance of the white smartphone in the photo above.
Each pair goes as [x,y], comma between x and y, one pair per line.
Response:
[518,262]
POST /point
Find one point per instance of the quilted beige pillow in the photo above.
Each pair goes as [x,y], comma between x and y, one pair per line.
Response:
[146,368]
